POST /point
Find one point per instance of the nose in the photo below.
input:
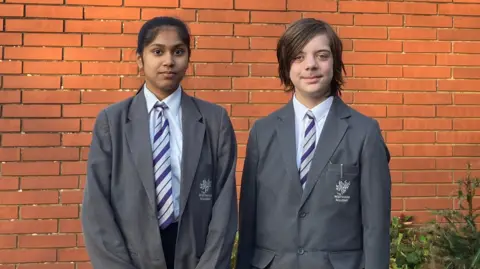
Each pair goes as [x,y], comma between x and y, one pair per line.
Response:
[168,60]
[310,62]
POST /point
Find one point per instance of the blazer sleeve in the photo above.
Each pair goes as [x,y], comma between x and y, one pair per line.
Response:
[375,199]
[223,223]
[103,240]
[248,201]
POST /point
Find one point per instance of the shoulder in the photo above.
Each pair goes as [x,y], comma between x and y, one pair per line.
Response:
[115,110]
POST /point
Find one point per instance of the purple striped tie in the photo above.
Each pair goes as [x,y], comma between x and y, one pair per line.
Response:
[308,148]
[162,167]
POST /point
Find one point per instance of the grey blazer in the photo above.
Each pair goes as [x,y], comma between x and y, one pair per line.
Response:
[342,218]
[119,214]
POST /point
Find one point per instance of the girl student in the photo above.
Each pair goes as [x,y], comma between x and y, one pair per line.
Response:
[160,190]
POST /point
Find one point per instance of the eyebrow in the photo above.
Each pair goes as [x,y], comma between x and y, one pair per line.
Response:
[163,45]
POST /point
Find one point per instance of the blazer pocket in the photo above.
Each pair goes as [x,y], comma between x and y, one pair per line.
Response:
[343,168]
[262,258]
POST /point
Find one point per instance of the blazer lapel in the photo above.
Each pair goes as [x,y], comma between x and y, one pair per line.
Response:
[333,132]
[138,140]
[286,137]
[193,134]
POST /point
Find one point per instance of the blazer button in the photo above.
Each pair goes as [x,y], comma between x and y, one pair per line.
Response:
[301,251]
[303,214]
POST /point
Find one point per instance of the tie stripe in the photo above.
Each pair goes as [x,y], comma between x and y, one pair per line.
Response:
[308,148]
[162,167]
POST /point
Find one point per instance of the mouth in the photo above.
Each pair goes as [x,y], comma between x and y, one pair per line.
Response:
[311,79]
[168,74]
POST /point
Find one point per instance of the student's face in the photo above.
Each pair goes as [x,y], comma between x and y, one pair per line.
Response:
[311,71]
[164,61]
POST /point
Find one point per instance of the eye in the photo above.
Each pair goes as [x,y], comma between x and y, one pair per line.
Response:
[324,56]
[157,52]
[298,58]
[179,52]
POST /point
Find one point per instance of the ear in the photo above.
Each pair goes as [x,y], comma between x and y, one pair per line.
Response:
[140,62]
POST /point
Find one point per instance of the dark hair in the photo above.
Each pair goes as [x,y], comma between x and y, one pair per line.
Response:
[150,29]
[296,37]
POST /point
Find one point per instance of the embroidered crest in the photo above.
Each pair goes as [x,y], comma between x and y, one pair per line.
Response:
[205,187]
[342,187]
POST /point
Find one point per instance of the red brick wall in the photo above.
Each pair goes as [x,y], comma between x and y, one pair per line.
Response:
[415,66]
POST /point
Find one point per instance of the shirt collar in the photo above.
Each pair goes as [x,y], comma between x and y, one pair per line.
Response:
[172,101]
[319,111]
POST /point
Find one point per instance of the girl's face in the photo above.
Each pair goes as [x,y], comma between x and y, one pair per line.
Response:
[164,61]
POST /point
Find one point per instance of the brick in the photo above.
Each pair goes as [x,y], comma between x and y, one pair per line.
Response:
[31,111]
[28,255]
[7,241]
[272,97]
[413,190]
[78,139]
[91,82]
[207,83]
[204,55]
[466,124]
[77,254]
[57,40]
[10,39]
[183,14]
[11,10]
[211,4]
[22,25]
[70,226]
[71,197]
[253,110]
[50,154]
[458,137]
[104,96]
[258,30]
[94,2]
[11,67]
[47,265]
[110,40]
[151,3]
[412,33]
[60,68]
[411,59]
[274,17]
[222,42]
[421,111]
[263,43]
[378,98]
[410,137]
[48,241]
[75,111]
[377,72]
[35,1]
[365,84]
[9,125]
[75,26]
[429,21]
[458,60]
[49,182]
[33,53]
[428,124]
[427,46]
[466,73]
[256,83]
[427,98]
[411,85]
[8,212]
[8,183]
[390,124]
[28,197]
[371,110]
[459,9]
[264,5]
[223,97]
[458,35]
[427,177]
[363,32]
[427,150]
[428,203]
[469,47]
[363,7]
[215,69]
[211,29]
[253,56]
[466,150]
[331,18]
[9,154]
[466,22]
[311,5]
[264,70]
[378,19]
[426,72]
[109,68]
[49,212]
[413,8]
[124,13]
[59,12]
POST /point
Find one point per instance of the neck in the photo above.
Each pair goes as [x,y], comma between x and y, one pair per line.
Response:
[310,101]
[161,93]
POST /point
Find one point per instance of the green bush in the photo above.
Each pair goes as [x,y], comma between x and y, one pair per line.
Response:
[456,240]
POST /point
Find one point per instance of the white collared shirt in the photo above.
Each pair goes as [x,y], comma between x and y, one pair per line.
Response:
[320,112]
[174,116]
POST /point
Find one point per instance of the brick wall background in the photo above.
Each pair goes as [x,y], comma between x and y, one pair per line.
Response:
[415,66]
